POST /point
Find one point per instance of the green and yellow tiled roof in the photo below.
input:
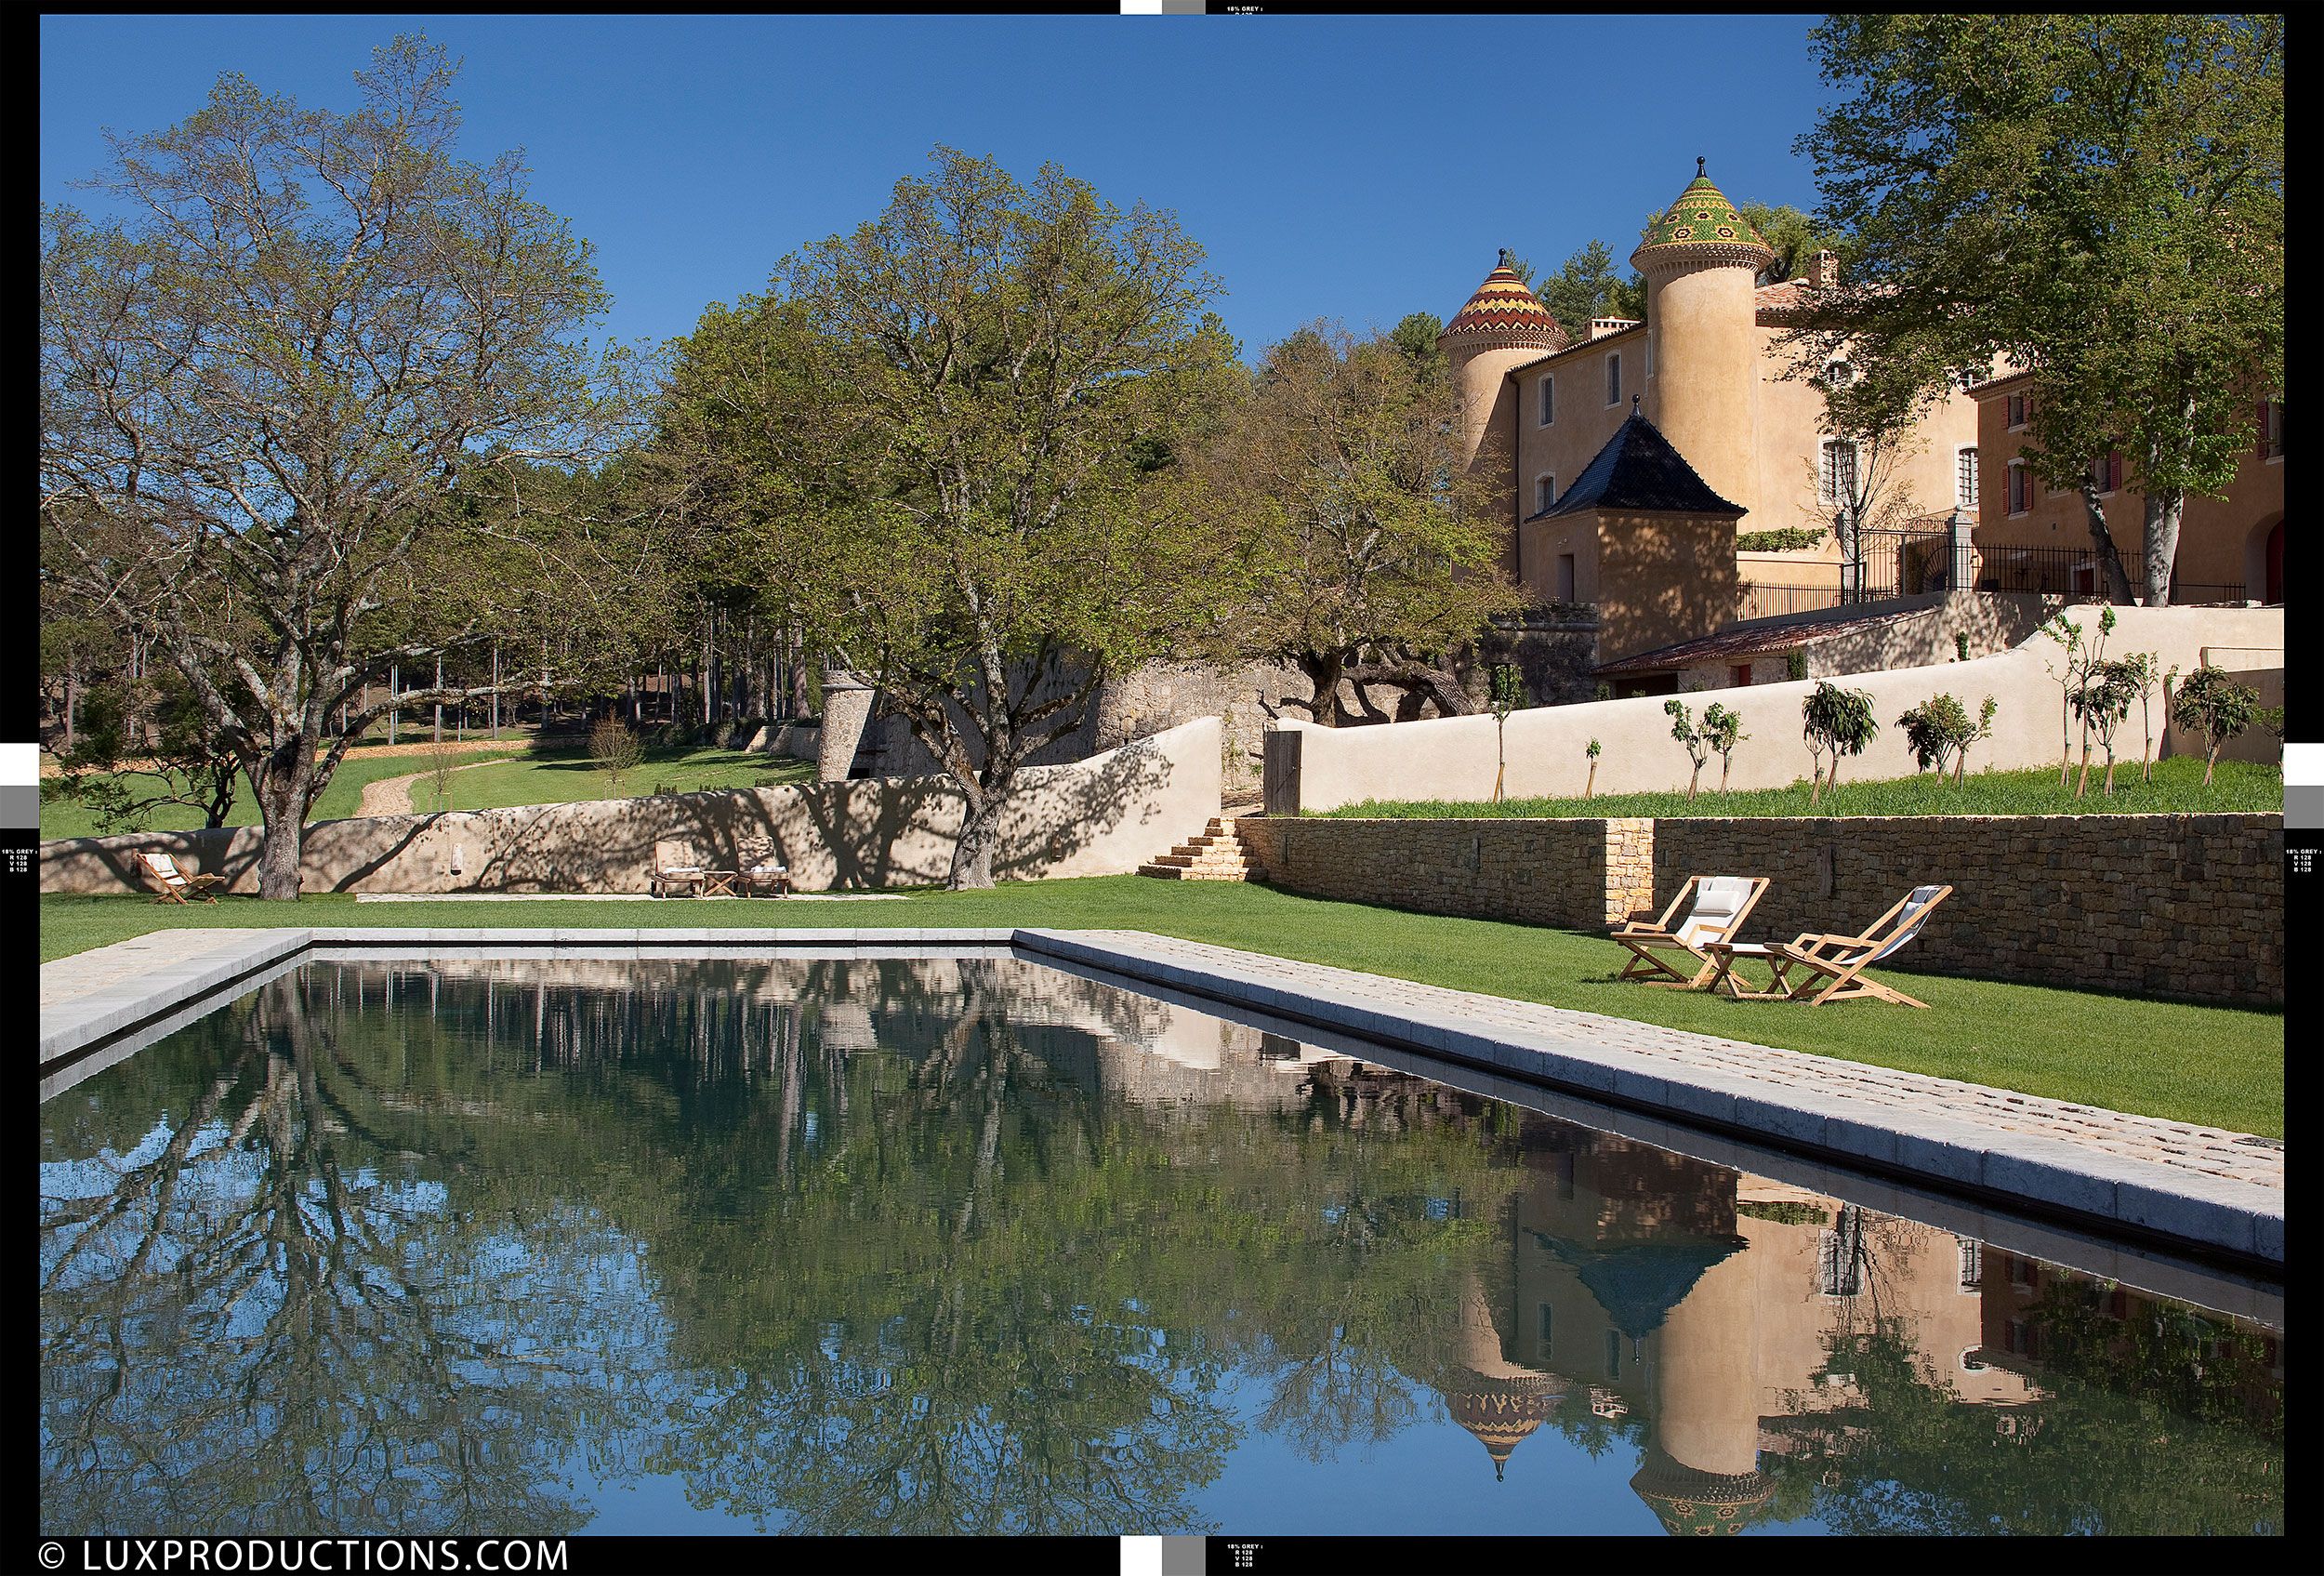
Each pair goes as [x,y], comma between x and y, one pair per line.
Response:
[1701,217]
[1503,313]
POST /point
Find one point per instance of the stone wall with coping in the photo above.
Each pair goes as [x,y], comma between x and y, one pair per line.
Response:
[2170,906]
[1105,815]
[1571,874]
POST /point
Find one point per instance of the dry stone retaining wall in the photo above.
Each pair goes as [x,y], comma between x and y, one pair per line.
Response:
[2175,906]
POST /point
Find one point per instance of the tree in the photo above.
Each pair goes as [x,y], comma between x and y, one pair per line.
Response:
[2104,700]
[1940,733]
[1416,337]
[264,393]
[2096,200]
[1366,553]
[1696,741]
[956,428]
[1835,722]
[615,748]
[1723,730]
[2212,703]
[1508,695]
[1590,786]
[181,764]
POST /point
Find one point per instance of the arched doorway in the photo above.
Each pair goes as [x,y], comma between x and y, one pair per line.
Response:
[2275,564]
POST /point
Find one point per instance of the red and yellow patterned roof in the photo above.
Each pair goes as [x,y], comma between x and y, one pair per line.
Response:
[1504,314]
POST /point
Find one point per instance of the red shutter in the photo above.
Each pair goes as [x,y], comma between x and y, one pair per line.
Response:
[2114,470]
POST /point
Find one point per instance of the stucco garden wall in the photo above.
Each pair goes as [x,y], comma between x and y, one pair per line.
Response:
[1104,815]
[1453,758]
[2182,906]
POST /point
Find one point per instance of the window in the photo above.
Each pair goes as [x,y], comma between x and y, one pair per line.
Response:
[1839,375]
[2271,428]
[1566,577]
[1544,493]
[1836,480]
[1614,378]
[2020,487]
[2106,471]
[2016,412]
[1965,481]
[1549,401]
[1740,674]
[2023,1275]
[1972,1265]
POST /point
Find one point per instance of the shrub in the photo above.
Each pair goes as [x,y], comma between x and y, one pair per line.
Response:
[1787,539]
[1940,733]
[615,748]
[2217,707]
[1697,744]
[1795,665]
[1724,730]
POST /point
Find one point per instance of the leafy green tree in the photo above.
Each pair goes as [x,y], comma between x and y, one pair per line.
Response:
[2095,199]
[1723,730]
[1416,337]
[1835,722]
[2215,705]
[262,390]
[1940,733]
[1696,741]
[181,764]
[1586,286]
[1590,786]
[2103,701]
[956,428]
[1508,695]
[1365,553]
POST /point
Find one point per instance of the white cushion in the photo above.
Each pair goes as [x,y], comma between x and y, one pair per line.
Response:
[1716,899]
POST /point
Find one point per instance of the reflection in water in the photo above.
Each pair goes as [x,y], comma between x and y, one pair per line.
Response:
[976,1247]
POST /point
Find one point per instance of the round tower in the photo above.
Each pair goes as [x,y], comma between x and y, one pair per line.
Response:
[1503,326]
[1699,261]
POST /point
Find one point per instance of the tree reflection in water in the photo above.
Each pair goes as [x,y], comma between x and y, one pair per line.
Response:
[947,1246]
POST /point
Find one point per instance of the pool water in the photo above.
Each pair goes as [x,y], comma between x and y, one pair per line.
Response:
[963,1246]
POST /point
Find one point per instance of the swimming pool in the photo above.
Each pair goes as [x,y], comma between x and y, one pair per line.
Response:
[971,1244]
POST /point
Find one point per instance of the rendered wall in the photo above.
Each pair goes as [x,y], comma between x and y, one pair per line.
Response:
[1105,815]
[1453,758]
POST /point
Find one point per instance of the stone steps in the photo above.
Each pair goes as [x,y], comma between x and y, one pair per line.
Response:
[1214,855]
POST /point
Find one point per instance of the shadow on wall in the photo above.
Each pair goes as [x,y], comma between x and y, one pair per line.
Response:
[1104,815]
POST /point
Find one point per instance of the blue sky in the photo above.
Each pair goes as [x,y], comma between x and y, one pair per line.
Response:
[1356,168]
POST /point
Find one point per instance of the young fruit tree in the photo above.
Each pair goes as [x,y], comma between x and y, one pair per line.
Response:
[1723,730]
[955,429]
[1590,785]
[1695,740]
[1835,722]
[1508,695]
[617,748]
[1940,733]
[2212,703]
[269,375]
[2108,689]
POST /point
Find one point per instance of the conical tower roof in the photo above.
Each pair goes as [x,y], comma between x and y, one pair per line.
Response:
[1503,314]
[1702,226]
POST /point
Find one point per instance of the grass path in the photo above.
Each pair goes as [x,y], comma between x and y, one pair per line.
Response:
[2218,1065]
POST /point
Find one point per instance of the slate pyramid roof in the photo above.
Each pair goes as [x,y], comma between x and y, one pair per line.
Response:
[1638,470]
[1504,314]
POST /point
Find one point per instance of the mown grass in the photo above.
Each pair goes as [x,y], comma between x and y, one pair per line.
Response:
[537,776]
[2217,1065]
[2177,786]
[565,777]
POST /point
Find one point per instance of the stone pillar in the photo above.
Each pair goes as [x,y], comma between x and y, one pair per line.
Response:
[1965,563]
[847,703]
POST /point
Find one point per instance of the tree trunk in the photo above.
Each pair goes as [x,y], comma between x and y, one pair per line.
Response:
[71,703]
[2163,546]
[394,688]
[438,735]
[1725,765]
[2118,580]
[980,833]
[2212,759]
[283,812]
[1589,787]
[1692,780]
[2109,774]
[1323,670]
[496,689]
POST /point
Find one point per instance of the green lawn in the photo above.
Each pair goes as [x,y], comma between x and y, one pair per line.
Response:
[556,776]
[2217,1065]
[561,778]
[2178,786]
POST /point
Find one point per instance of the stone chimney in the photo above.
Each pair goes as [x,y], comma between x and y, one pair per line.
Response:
[1823,271]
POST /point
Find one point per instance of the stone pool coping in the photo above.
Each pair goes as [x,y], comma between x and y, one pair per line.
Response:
[2169,1184]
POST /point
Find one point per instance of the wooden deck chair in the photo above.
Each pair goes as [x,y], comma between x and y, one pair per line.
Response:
[1721,905]
[677,870]
[172,884]
[1841,960]
[764,871]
